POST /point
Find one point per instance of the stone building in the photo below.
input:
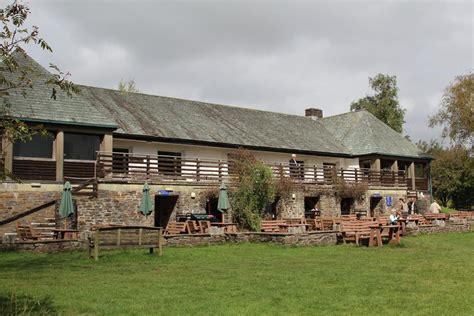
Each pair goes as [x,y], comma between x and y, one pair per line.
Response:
[115,141]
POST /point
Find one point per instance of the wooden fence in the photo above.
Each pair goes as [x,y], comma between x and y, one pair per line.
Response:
[135,167]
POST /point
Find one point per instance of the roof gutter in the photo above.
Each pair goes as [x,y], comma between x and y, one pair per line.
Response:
[108,126]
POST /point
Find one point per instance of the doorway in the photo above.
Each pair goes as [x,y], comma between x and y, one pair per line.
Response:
[164,207]
[311,206]
[347,205]
[375,205]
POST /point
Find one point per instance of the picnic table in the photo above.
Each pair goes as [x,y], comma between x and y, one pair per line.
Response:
[65,234]
[379,231]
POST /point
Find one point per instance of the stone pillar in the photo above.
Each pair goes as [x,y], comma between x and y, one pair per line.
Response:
[107,143]
[376,164]
[411,173]
[395,166]
[7,148]
[59,155]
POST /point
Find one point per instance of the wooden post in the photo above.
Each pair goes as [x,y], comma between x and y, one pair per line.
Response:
[220,170]
[59,155]
[160,241]
[96,245]
[7,155]
[198,169]
[147,166]
[356,175]
[140,231]
[119,233]
[412,175]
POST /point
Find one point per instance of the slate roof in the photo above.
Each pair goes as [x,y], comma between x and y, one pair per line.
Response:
[137,115]
[362,134]
[38,105]
[146,115]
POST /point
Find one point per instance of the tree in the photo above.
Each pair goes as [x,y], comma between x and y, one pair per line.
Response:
[128,86]
[457,111]
[452,174]
[384,103]
[255,190]
[16,76]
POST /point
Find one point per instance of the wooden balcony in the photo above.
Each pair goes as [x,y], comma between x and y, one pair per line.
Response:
[138,168]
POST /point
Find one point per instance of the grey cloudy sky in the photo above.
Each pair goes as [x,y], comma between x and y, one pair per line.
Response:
[279,56]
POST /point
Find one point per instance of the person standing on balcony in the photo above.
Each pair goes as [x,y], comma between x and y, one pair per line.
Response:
[294,166]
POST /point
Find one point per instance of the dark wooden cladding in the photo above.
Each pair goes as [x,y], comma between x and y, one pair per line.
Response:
[79,169]
[31,169]
[133,167]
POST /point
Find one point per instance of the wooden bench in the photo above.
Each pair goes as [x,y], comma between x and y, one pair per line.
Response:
[176,228]
[461,214]
[26,232]
[124,237]
[435,216]
[274,226]
[357,231]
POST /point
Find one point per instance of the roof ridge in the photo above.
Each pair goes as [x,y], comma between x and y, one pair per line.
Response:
[201,102]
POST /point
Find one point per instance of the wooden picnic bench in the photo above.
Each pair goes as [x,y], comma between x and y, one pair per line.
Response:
[26,232]
[358,230]
[435,216]
[124,237]
[176,228]
[274,226]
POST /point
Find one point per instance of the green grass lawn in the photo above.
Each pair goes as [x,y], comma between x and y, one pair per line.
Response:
[426,275]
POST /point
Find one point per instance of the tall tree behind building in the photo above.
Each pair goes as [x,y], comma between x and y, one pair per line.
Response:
[128,86]
[384,102]
[456,114]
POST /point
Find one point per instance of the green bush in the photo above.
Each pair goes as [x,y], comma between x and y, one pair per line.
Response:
[254,191]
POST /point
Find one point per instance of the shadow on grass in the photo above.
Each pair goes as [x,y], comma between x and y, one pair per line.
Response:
[12,305]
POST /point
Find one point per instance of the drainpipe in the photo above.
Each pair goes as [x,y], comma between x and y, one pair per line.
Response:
[430,184]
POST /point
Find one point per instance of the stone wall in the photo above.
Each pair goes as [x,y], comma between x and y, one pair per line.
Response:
[306,239]
[16,198]
[435,229]
[44,246]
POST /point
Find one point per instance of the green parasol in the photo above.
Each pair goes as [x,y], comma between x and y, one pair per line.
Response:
[146,205]
[223,203]
[66,207]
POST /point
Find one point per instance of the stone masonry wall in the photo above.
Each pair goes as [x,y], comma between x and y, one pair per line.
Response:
[16,198]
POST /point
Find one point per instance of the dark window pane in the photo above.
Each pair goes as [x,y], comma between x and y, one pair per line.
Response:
[38,147]
[419,170]
[81,146]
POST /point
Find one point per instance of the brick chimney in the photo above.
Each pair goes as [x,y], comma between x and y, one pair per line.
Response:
[314,113]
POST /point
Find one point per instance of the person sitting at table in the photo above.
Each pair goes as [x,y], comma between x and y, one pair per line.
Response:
[394,217]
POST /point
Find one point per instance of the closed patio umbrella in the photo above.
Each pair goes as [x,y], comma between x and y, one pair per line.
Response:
[223,203]
[146,205]
[66,207]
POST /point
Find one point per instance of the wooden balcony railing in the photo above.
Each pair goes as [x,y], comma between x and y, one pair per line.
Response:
[136,167]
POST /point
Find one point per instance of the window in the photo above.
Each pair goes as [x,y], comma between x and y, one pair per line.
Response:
[38,147]
[169,163]
[81,146]
[419,170]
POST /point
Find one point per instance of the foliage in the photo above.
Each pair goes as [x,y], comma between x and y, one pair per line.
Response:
[345,189]
[128,86]
[254,190]
[384,103]
[200,280]
[431,148]
[17,77]
[452,174]
[284,186]
[457,111]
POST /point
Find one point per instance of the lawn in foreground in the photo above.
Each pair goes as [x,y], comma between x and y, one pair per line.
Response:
[426,275]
